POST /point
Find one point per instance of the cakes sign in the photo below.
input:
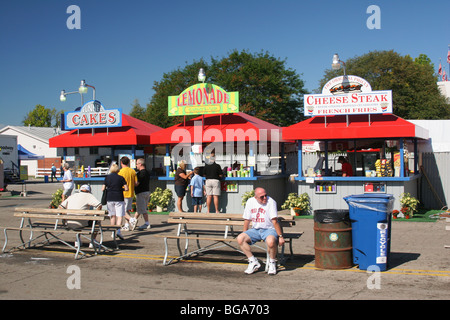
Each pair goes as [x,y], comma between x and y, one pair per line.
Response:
[93,115]
[347,95]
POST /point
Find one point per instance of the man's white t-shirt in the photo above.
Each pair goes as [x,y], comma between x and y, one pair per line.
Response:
[261,215]
[82,201]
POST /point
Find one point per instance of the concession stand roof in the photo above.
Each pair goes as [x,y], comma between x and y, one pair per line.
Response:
[217,128]
[132,132]
[357,127]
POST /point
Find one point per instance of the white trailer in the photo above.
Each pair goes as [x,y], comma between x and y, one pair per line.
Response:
[8,152]
[9,155]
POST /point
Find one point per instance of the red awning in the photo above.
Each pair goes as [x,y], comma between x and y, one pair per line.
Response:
[132,132]
[359,127]
[218,128]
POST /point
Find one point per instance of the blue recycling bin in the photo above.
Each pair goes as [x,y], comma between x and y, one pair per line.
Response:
[46,179]
[370,215]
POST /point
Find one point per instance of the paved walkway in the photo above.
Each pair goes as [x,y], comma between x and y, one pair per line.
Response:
[419,268]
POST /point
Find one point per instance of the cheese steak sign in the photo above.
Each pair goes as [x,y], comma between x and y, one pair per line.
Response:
[347,95]
[93,115]
[203,98]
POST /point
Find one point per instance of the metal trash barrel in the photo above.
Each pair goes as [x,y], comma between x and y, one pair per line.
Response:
[332,239]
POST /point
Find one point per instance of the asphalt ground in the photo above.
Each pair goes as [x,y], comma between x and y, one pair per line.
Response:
[419,269]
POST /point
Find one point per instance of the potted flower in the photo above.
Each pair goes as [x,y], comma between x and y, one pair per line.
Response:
[395,214]
[405,212]
[299,204]
[409,205]
[160,198]
[247,195]
[56,199]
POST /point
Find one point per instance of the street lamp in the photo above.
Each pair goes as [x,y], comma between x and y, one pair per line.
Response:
[82,89]
[201,75]
[336,64]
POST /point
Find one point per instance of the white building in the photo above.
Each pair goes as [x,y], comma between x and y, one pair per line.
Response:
[35,140]
[444,87]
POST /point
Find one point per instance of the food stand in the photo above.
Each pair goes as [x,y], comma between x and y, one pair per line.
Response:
[351,120]
[246,148]
[99,136]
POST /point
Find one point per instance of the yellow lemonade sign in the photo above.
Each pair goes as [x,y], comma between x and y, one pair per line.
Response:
[203,98]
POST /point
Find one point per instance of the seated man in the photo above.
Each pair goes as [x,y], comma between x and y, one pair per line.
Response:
[261,210]
[83,200]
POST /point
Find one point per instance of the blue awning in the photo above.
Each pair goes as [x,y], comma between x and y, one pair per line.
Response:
[24,154]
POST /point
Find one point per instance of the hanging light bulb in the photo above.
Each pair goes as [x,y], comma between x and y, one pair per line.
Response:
[83,89]
[62,97]
[201,75]
[336,64]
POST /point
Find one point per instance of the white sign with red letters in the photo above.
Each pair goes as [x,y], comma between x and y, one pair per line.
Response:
[93,115]
[347,95]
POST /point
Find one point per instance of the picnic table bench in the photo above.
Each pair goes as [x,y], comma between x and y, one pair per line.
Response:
[52,224]
[216,228]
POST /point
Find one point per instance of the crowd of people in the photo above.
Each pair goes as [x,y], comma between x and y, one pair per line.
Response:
[122,184]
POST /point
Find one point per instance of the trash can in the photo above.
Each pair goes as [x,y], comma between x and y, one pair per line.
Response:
[332,239]
[46,178]
[370,216]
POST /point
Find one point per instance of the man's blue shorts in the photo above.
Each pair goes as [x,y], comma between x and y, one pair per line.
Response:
[260,234]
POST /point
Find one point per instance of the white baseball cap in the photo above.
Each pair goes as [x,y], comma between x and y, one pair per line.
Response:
[85,187]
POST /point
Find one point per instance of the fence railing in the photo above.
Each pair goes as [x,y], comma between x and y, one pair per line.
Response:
[95,172]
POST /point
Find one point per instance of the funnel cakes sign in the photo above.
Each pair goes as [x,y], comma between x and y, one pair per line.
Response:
[347,95]
[93,115]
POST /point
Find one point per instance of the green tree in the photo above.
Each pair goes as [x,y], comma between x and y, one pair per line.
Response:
[41,116]
[267,88]
[172,84]
[413,83]
[137,111]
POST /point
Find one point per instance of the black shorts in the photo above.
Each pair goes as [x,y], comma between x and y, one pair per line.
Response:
[180,190]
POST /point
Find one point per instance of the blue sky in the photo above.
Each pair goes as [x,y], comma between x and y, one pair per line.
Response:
[124,46]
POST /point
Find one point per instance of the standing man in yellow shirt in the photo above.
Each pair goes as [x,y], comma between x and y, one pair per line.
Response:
[130,177]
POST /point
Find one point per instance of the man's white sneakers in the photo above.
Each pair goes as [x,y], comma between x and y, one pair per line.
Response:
[255,265]
[272,268]
[252,266]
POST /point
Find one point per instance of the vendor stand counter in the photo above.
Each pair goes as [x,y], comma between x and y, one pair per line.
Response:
[329,192]
[261,140]
[232,190]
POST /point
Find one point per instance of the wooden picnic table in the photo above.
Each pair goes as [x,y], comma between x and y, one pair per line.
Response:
[218,230]
[51,224]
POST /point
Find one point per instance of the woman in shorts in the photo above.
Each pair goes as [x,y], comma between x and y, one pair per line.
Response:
[115,202]
[181,183]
